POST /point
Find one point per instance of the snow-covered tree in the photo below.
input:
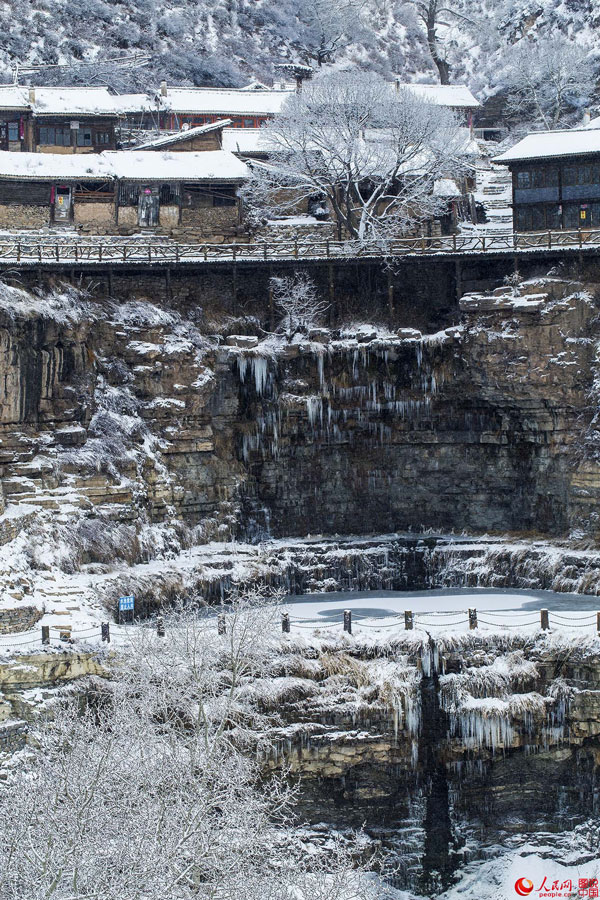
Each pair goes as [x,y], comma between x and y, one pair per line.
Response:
[371,153]
[438,17]
[148,793]
[547,78]
[326,26]
[297,301]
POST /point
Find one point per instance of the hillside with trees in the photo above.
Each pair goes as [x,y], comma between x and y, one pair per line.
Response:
[227,41]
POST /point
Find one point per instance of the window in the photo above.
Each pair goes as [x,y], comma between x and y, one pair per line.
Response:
[13,131]
[128,194]
[537,179]
[223,196]
[169,194]
[538,219]
[571,216]
[248,123]
[84,137]
[102,138]
[584,174]
[523,219]
[55,135]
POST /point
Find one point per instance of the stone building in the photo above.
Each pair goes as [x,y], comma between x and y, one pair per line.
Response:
[57,119]
[121,192]
[555,180]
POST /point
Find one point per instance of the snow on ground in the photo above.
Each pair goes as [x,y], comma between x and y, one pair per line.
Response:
[76,603]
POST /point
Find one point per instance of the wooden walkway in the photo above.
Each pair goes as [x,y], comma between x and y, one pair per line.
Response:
[48,250]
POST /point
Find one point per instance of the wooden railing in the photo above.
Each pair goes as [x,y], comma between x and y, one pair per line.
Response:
[48,250]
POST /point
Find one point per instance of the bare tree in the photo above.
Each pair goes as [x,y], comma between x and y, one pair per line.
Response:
[145,794]
[546,78]
[297,301]
[371,152]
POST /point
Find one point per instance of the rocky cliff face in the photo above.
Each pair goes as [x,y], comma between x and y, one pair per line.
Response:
[129,430]
[431,742]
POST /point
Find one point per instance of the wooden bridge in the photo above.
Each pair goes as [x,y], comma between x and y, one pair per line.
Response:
[52,251]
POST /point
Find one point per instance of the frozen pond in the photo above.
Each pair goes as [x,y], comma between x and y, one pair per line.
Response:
[323,608]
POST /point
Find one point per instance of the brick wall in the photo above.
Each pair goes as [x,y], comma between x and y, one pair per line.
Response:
[21,618]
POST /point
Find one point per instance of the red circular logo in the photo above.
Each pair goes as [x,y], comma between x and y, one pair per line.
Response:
[523,886]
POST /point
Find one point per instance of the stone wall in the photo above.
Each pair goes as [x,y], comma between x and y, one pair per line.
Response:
[21,618]
[169,216]
[94,214]
[16,216]
[13,736]
[210,219]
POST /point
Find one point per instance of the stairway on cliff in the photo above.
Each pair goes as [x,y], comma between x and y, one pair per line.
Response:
[493,192]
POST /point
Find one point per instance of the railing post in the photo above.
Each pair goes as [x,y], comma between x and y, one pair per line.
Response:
[285,623]
[296,247]
[544,620]
[549,240]
[483,243]
[408,620]
[327,248]
[598,623]
[454,242]
[46,633]
[472,619]
[205,253]
[265,250]
[221,626]
[580,237]
[18,251]
[105,631]
[348,620]
[160,626]
[100,252]
[57,253]
[176,254]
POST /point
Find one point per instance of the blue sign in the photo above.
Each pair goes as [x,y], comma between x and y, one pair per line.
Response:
[126,603]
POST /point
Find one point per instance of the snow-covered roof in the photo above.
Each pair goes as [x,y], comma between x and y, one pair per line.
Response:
[246,140]
[207,165]
[44,101]
[552,144]
[457,96]
[184,135]
[133,103]
[12,96]
[86,101]
[223,101]
[129,165]
[593,123]
[446,187]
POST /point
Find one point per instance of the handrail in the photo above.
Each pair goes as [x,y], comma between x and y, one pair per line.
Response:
[45,250]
